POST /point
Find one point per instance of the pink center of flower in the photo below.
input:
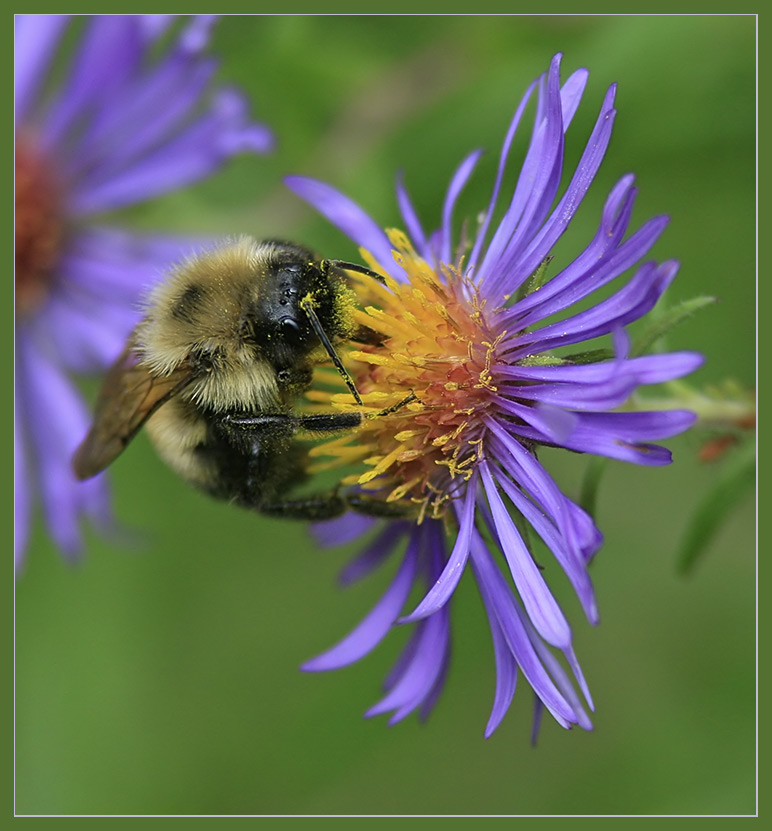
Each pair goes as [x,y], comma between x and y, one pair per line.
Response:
[39,225]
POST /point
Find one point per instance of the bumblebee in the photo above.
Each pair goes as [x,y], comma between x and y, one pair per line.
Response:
[226,346]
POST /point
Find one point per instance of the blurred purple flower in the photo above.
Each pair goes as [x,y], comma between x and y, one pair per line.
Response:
[123,126]
[471,329]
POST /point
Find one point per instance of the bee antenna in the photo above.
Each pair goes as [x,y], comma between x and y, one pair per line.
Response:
[306,304]
[360,269]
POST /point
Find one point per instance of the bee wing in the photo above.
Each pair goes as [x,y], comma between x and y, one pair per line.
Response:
[131,393]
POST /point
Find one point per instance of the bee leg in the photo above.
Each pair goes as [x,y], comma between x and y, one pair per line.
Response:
[313,508]
[287,424]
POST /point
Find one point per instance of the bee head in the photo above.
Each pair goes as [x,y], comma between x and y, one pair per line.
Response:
[298,295]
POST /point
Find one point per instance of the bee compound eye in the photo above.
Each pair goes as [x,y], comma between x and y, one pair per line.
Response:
[289,325]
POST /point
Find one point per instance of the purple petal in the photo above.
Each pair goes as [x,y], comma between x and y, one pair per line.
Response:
[238,134]
[621,435]
[404,659]
[373,628]
[649,369]
[418,675]
[656,369]
[430,699]
[196,35]
[559,676]
[191,155]
[600,396]
[614,221]
[506,670]
[553,425]
[35,40]
[534,190]
[120,135]
[630,303]
[571,94]
[153,26]
[541,243]
[585,276]
[525,469]
[85,334]
[446,583]
[639,426]
[509,268]
[515,123]
[119,268]
[44,390]
[423,671]
[538,712]
[412,222]
[349,218]
[565,554]
[109,54]
[375,553]
[541,606]
[342,530]
[460,178]
[499,598]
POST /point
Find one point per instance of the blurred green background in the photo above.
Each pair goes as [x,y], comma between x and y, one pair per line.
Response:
[161,675]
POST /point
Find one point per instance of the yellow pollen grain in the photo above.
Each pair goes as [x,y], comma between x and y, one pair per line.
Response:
[423,328]
[381,467]
[340,453]
[404,435]
[442,312]
[454,468]
[422,299]
[428,277]
[441,441]
[413,360]
[371,358]
[385,323]
[375,485]
[403,489]
[375,398]
[372,288]
[409,455]
[485,382]
[392,285]
[404,318]
[478,446]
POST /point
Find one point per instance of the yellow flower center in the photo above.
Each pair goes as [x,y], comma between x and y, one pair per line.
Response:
[436,344]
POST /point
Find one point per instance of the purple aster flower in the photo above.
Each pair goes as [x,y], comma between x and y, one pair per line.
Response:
[472,328]
[121,127]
